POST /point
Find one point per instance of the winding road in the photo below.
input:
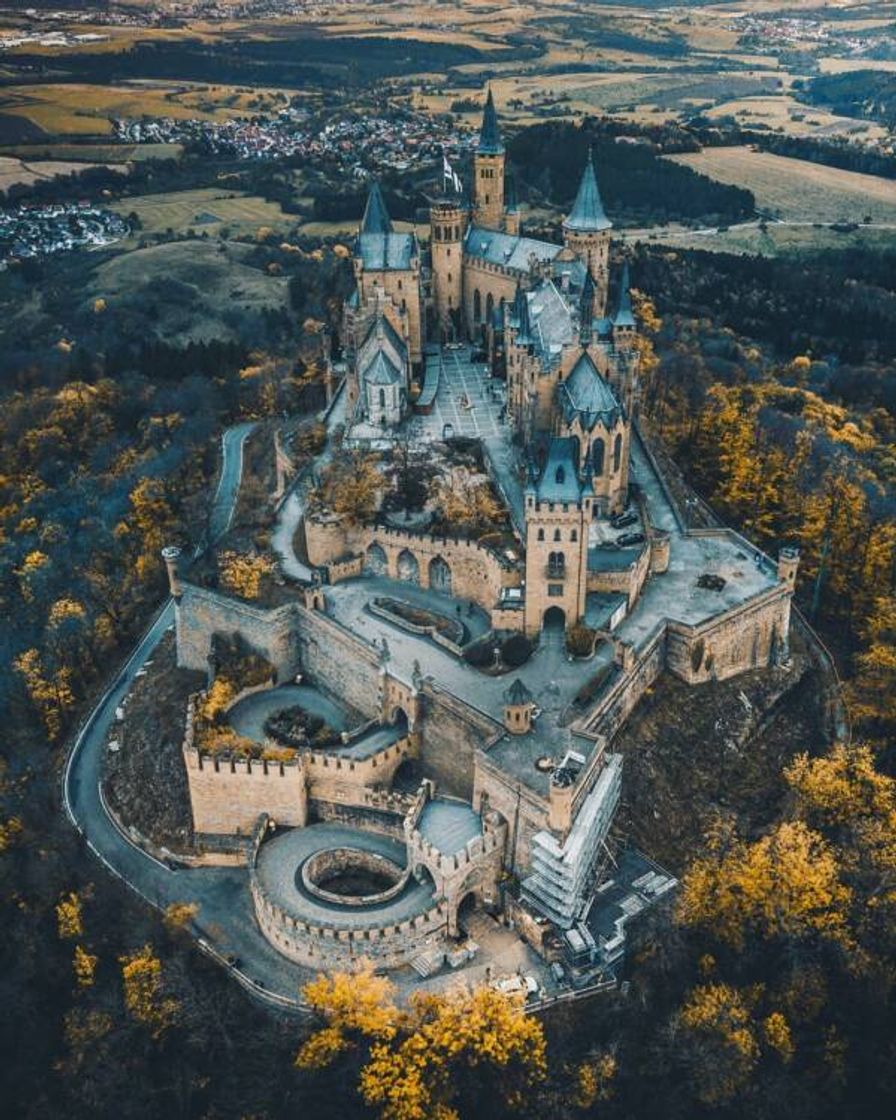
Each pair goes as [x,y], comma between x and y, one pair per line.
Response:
[225,926]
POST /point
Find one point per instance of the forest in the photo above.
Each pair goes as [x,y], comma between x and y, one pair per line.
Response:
[868,94]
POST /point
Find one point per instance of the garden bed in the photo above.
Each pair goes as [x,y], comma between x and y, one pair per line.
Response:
[296,728]
[421,620]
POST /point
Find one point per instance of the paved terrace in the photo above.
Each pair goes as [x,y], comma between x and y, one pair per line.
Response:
[279,870]
[449,825]
[248,718]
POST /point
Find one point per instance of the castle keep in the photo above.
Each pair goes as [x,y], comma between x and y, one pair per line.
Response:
[451,787]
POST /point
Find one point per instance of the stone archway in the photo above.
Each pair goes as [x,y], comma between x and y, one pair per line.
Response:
[554,619]
[440,575]
[466,908]
[407,567]
[375,563]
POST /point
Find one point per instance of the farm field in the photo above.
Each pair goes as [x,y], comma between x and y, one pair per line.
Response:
[86,110]
[206,210]
[92,153]
[15,171]
[776,240]
[797,190]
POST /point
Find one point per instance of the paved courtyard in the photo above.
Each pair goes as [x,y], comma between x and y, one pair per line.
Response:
[468,399]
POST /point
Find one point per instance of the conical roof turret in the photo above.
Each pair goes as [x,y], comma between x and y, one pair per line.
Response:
[586,310]
[521,317]
[490,142]
[588,214]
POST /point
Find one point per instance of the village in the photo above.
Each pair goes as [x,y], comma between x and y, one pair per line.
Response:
[33,231]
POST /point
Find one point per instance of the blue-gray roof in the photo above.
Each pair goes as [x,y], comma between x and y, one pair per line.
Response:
[587,214]
[551,324]
[382,371]
[376,216]
[507,249]
[387,251]
[624,316]
[585,394]
[559,480]
[490,143]
[382,323]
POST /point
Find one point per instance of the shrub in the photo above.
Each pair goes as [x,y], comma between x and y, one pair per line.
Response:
[480,654]
[580,640]
[516,650]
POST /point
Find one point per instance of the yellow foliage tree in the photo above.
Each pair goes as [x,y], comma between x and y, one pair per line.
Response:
[69,920]
[786,884]
[467,501]
[84,964]
[351,486]
[244,575]
[178,915]
[594,1080]
[144,992]
[724,1049]
[51,694]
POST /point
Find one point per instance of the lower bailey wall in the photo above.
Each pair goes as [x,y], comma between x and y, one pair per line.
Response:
[227,797]
[202,613]
[335,778]
[451,733]
[368,819]
[738,641]
[338,662]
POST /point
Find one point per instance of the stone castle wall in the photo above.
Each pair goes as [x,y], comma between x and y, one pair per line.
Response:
[452,731]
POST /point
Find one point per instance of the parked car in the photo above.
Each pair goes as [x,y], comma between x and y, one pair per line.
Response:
[630,538]
[622,519]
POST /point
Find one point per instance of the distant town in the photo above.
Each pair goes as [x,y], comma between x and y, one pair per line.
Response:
[403,141]
[40,230]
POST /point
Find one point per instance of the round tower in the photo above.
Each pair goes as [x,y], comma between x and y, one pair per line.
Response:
[448,221]
[586,232]
[171,556]
[518,707]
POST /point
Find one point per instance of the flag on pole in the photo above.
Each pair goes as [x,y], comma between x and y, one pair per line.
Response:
[458,186]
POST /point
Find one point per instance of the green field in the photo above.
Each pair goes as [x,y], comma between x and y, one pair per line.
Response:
[207,210]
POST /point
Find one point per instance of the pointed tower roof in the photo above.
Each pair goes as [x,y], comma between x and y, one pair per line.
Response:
[587,214]
[490,142]
[511,202]
[586,309]
[624,316]
[517,693]
[376,216]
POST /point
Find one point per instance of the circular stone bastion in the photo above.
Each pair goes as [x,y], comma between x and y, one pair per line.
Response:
[329,895]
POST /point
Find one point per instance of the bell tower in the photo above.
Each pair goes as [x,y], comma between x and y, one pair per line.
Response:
[488,171]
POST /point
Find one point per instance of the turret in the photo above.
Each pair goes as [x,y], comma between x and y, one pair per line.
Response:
[788,563]
[171,556]
[586,311]
[586,232]
[488,170]
[512,213]
[518,708]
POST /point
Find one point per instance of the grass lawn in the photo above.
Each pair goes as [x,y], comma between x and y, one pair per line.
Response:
[208,209]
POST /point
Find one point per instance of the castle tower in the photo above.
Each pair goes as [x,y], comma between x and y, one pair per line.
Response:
[624,325]
[586,232]
[448,221]
[488,171]
[558,514]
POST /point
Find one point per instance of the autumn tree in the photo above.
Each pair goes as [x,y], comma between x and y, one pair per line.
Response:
[466,501]
[244,575]
[351,486]
[145,997]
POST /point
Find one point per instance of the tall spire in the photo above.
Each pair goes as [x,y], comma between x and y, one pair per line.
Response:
[624,316]
[376,216]
[490,143]
[587,214]
[586,309]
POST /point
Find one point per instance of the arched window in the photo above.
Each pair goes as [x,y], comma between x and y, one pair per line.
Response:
[382,398]
[541,534]
[477,306]
[557,535]
[597,456]
[617,453]
[560,476]
[489,307]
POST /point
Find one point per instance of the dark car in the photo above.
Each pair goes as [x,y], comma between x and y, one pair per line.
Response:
[630,538]
[622,519]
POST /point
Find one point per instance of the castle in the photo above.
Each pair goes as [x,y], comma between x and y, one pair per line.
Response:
[466,787]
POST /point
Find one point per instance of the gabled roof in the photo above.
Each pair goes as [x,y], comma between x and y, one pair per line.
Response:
[585,394]
[387,251]
[587,214]
[507,249]
[490,143]
[376,216]
[381,323]
[624,316]
[382,371]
